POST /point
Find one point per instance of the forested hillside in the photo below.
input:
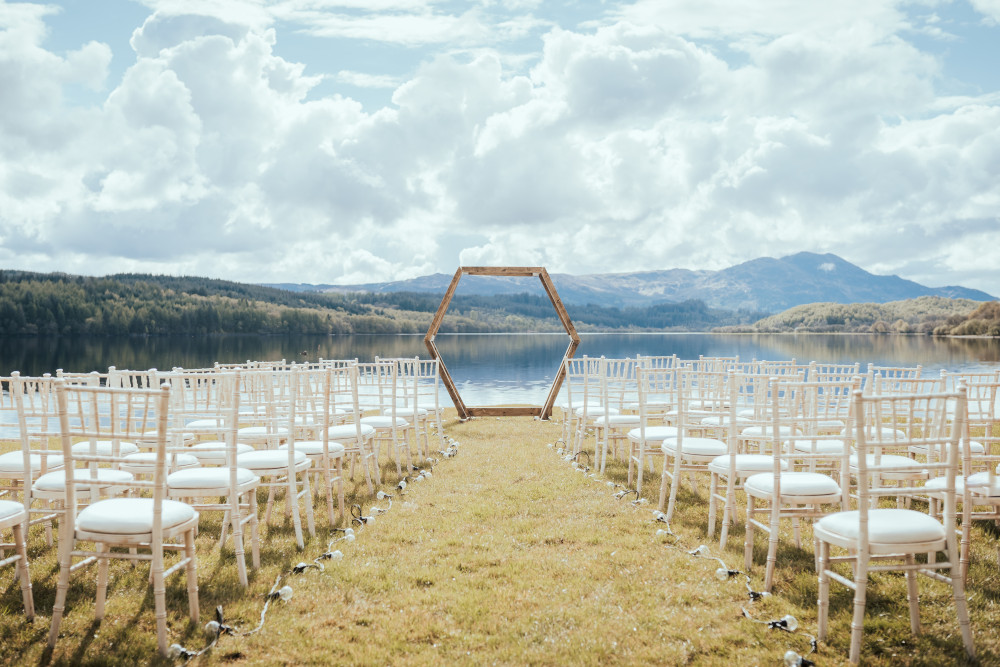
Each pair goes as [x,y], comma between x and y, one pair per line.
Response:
[34,304]
[925,315]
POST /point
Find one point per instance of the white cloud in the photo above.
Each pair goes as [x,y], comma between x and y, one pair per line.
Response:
[363,80]
[630,145]
[990,9]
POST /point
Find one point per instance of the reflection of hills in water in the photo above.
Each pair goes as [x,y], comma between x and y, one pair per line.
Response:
[490,369]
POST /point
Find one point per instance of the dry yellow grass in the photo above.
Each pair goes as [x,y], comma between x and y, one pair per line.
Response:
[505,556]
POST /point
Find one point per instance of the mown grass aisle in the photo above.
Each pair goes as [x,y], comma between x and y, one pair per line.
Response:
[508,556]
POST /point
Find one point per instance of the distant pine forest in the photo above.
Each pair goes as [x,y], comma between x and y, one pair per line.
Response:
[56,304]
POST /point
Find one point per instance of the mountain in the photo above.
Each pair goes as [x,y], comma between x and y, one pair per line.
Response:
[764,284]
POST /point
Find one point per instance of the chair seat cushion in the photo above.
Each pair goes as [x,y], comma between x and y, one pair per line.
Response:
[380,421]
[11,511]
[976,486]
[832,447]
[979,484]
[131,516]
[974,448]
[699,447]
[890,463]
[146,461]
[208,478]
[885,526]
[724,420]
[12,463]
[888,433]
[56,481]
[210,423]
[213,452]
[765,431]
[270,459]
[104,447]
[349,432]
[793,484]
[617,420]
[261,433]
[594,409]
[745,464]
[654,433]
[314,448]
[406,410]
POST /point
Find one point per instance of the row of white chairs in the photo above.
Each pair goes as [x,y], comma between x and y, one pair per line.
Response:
[817,442]
[144,453]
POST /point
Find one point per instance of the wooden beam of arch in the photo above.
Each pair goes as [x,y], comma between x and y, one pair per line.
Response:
[464,412]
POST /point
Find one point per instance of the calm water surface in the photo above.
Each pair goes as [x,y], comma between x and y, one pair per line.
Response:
[492,369]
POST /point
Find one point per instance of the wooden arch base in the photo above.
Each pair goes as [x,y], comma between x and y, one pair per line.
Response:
[465,412]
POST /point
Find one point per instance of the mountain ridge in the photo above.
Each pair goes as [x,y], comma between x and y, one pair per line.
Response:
[763,284]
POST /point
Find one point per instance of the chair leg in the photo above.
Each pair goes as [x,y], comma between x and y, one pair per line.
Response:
[728,510]
[22,570]
[340,489]
[160,602]
[663,482]
[65,547]
[307,494]
[254,529]
[713,503]
[748,536]
[292,506]
[270,503]
[912,596]
[674,483]
[823,602]
[237,520]
[328,488]
[102,583]
[860,599]
[961,606]
[191,571]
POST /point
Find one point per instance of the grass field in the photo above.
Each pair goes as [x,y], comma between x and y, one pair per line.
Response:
[506,556]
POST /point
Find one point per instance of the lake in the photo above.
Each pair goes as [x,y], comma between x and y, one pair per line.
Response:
[492,369]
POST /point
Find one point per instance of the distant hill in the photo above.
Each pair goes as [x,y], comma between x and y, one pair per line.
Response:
[765,284]
[925,315]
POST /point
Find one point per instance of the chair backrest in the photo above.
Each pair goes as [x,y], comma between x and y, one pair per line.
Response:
[657,393]
[656,361]
[983,426]
[619,385]
[377,387]
[951,379]
[97,415]
[583,385]
[205,407]
[838,372]
[34,401]
[942,417]
[133,379]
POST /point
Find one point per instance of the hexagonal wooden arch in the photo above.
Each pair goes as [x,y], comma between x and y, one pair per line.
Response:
[464,412]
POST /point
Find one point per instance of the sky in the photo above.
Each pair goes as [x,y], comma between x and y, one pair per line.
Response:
[350,141]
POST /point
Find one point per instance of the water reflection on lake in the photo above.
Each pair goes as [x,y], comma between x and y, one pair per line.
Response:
[491,369]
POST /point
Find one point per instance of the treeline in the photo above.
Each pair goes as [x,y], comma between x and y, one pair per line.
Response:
[983,321]
[36,304]
[923,315]
[691,315]
[62,305]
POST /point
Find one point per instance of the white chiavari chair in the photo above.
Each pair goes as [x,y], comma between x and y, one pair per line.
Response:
[89,416]
[279,469]
[700,395]
[378,392]
[802,483]
[219,484]
[873,538]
